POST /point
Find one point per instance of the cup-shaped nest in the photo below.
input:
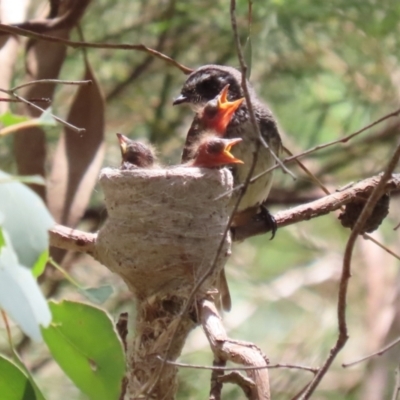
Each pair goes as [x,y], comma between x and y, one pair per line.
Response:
[164,227]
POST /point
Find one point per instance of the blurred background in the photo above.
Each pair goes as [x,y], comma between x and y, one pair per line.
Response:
[326,69]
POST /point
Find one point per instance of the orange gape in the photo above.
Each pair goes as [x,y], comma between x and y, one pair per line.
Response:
[213,152]
[218,112]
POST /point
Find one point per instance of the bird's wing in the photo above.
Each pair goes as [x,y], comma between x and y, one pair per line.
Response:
[194,133]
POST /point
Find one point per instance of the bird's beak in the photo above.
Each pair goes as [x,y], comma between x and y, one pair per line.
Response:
[123,142]
[180,100]
[228,156]
[223,96]
[227,108]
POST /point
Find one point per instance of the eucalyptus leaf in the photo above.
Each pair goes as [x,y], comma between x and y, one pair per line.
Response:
[40,264]
[14,385]
[18,362]
[2,239]
[26,220]
[9,119]
[20,295]
[84,342]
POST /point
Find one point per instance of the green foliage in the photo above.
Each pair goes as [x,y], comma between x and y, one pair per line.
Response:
[20,295]
[9,119]
[83,341]
[26,220]
[14,385]
[24,236]
[326,68]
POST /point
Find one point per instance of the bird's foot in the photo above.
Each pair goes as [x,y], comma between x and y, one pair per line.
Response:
[268,219]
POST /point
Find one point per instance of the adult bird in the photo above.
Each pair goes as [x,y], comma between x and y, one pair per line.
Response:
[202,86]
[205,148]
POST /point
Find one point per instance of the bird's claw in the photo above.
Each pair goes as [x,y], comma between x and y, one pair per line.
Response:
[269,220]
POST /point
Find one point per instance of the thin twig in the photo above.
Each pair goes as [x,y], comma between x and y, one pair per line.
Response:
[44,81]
[32,99]
[396,390]
[346,272]
[377,353]
[76,44]
[58,119]
[29,103]
[216,368]
[366,236]
[319,147]
[8,330]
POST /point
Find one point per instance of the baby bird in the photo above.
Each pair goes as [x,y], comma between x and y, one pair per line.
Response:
[212,152]
[135,154]
[214,118]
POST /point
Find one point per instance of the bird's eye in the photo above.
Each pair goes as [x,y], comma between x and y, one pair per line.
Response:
[208,88]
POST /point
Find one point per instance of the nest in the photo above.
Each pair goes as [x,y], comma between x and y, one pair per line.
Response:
[164,227]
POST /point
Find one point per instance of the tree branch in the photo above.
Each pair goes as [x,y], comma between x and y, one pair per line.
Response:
[76,44]
[224,348]
[73,239]
[319,207]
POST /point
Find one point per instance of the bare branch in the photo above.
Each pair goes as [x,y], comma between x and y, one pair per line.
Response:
[44,81]
[77,44]
[235,351]
[66,238]
[377,353]
[72,239]
[223,368]
[396,390]
[246,384]
[375,195]
[319,207]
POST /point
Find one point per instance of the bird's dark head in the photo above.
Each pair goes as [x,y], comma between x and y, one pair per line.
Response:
[207,82]
[135,154]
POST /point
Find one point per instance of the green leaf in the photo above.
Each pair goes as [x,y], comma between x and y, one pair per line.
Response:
[18,362]
[14,385]
[2,239]
[40,264]
[97,295]
[83,341]
[8,119]
[20,295]
[26,220]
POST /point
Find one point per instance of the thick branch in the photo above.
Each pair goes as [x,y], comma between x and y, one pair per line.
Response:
[66,238]
[325,205]
[72,239]
[236,351]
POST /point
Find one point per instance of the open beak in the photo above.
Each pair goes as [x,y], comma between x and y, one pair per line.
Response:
[227,155]
[227,108]
[123,142]
[180,100]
